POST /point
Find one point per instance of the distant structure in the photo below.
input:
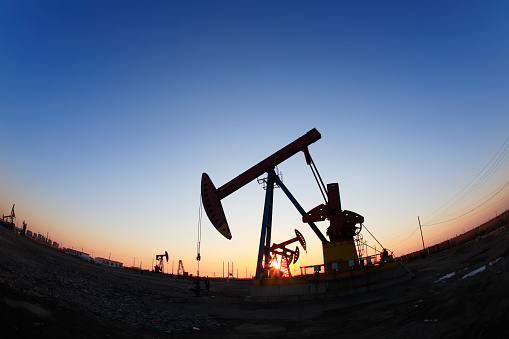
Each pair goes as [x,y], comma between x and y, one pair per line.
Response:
[87,257]
[181,270]
[107,262]
[82,255]
[159,268]
[8,220]
[24,230]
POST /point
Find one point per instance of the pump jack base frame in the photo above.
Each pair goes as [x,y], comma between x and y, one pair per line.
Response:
[333,282]
[321,286]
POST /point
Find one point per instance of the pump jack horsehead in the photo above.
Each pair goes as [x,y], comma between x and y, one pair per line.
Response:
[343,224]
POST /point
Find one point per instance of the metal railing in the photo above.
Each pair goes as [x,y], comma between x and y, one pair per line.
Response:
[368,264]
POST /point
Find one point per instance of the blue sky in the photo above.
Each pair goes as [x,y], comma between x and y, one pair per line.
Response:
[111,112]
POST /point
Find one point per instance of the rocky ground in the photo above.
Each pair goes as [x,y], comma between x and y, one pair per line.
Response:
[461,292]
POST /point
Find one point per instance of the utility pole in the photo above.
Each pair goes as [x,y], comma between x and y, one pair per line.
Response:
[420,227]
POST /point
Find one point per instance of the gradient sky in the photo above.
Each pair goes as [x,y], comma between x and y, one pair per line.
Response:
[110,112]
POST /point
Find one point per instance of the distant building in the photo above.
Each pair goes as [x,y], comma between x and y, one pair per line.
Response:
[108,262]
[29,233]
[55,244]
[78,254]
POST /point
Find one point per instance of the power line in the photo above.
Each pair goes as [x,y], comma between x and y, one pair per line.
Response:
[457,219]
[496,161]
[483,199]
[443,222]
[417,228]
[453,219]
[494,167]
[482,176]
[402,234]
[401,241]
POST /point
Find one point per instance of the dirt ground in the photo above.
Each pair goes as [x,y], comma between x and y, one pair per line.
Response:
[461,292]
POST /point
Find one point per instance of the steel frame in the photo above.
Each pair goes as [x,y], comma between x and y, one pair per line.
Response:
[263,262]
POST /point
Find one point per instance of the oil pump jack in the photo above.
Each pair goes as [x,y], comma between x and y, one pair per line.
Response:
[282,257]
[159,267]
[344,225]
[9,219]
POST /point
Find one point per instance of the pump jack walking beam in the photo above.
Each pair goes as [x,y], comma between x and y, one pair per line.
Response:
[211,197]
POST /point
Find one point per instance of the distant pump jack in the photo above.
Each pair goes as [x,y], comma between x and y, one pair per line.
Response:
[159,267]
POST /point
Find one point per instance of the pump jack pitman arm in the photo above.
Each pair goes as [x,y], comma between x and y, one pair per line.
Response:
[211,197]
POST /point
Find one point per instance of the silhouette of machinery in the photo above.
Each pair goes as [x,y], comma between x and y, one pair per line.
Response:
[344,225]
[159,267]
[282,257]
[9,219]
[181,270]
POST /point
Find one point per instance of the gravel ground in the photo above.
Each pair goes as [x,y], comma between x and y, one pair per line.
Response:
[461,292]
[35,279]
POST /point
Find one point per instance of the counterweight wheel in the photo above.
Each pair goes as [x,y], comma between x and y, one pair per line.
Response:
[301,239]
[296,257]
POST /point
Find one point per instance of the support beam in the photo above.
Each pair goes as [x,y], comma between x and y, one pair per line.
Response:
[263,250]
[301,210]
